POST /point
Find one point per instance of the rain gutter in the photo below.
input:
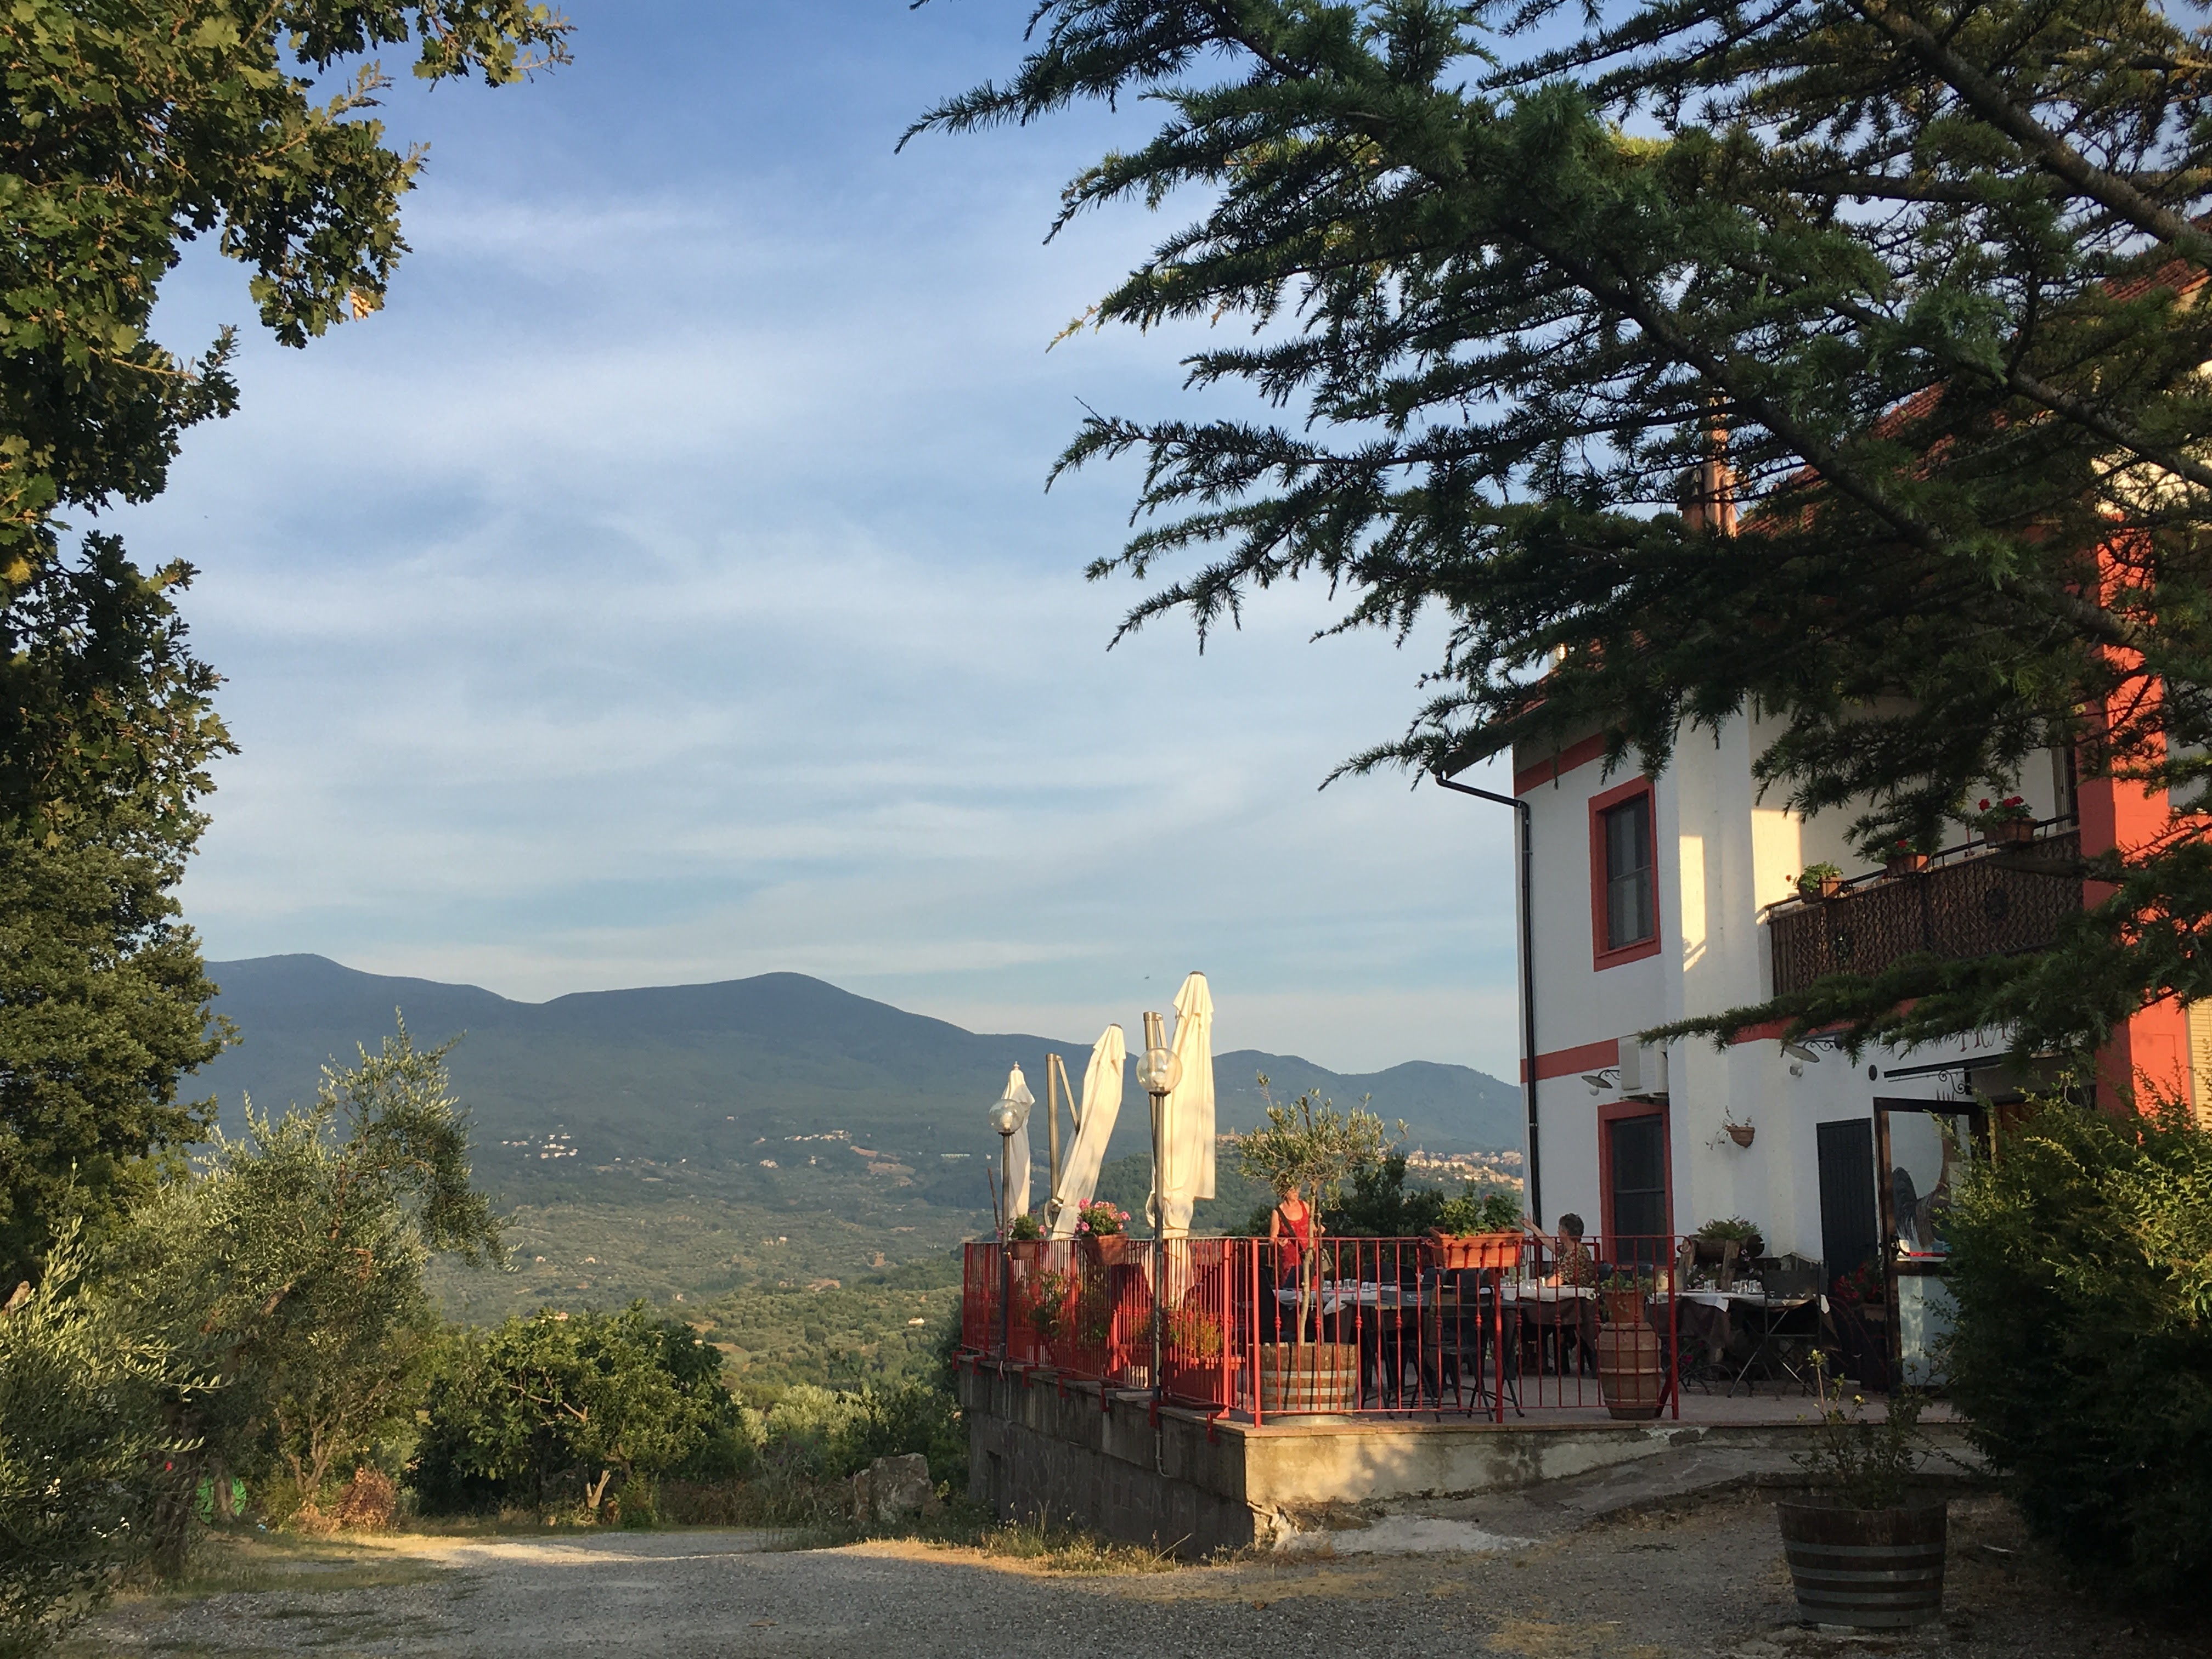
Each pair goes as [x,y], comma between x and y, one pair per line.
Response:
[1522,853]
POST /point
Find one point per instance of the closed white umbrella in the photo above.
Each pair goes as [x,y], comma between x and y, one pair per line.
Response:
[1187,1112]
[1102,1104]
[1018,1153]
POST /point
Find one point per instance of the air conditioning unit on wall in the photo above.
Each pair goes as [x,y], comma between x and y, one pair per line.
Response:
[1643,1070]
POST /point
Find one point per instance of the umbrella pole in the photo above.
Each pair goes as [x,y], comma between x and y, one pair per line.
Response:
[1006,1244]
[1159,1250]
[1052,1108]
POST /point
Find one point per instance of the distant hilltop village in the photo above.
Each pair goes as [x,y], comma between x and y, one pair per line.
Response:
[1493,1168]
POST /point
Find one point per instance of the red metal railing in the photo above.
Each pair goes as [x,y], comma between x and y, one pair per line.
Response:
[1401,1327]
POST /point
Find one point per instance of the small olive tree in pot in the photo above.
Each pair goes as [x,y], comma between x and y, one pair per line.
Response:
[1309,1145]
[1866,1545]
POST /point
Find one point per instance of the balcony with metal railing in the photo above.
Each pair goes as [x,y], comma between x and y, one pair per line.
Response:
[1982,898]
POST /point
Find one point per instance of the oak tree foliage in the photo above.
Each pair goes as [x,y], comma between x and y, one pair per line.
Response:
[129,130]
[1919,280]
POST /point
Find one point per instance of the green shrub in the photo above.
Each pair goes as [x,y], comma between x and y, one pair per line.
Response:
[1495,1211]
[90,1481]
[830,1435]
[548,1410]
[2081,1265]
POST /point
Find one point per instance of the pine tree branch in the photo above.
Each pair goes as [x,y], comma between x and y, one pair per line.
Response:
[1991,103]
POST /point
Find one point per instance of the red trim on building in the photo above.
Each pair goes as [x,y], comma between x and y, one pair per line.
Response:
[1569,1062]
[1554,767]
[1599,805]
[2147,1057]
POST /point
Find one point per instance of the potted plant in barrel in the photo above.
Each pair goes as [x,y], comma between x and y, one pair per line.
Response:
[1865,1545]
[1631,1363]
[1312,1148]
[1478,1232]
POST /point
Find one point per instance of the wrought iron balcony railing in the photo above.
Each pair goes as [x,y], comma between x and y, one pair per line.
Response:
[1980,900]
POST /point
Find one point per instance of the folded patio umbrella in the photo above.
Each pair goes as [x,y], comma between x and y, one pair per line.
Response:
[1018,1089]
[1102,1104]
[1186,1113]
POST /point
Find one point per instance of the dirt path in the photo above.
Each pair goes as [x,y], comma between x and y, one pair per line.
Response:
[1694,1584]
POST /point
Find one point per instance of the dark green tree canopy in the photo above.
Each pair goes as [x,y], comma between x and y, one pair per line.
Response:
[1919,281]
[130,127]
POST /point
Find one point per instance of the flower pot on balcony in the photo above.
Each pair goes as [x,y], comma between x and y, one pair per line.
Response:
[1871,1569]
[1309,1377]
[1106,1249]
[1904,864]
[2013,832]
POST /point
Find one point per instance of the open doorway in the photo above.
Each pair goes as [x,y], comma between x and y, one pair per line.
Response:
[1924,1148]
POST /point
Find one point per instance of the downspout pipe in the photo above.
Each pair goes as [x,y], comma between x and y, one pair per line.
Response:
[1522,855]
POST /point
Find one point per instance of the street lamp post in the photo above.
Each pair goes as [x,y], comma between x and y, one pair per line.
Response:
[1007,1116]
[1157,1073]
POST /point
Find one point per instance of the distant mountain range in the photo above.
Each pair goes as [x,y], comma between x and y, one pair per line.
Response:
[708,1072]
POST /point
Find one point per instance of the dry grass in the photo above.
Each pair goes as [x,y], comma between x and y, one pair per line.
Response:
[971,1531]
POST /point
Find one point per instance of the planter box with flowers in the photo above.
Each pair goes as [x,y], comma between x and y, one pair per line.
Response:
[1478,1232]
[2010,821]
[1102,1230]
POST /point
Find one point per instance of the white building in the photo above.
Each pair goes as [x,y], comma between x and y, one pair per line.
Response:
[1651,900]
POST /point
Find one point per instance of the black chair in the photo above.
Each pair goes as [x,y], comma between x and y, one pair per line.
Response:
[1462,1337]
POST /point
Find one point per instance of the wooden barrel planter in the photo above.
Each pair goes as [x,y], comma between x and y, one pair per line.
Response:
[1631,1369]
[1313,1376]
[1869,1569]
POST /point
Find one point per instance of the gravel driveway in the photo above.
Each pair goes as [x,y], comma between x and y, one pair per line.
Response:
[1698,1581]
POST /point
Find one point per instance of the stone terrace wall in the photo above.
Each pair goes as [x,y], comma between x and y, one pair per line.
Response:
[1043,1452]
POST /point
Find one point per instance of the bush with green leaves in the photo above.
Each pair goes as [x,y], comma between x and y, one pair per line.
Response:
[2081,1265]
[842,1433]
[547,1411]
[1476,1212]
[290,1269]
[91,1480]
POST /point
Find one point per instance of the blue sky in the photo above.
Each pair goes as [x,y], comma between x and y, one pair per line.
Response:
[664,588]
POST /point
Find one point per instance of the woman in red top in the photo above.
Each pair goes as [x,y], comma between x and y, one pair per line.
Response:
[1295,1217]
[1293,1220]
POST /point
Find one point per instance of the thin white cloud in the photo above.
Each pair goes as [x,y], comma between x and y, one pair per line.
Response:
[662,589]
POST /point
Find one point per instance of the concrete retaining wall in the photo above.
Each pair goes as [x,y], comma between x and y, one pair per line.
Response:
[1041,1449]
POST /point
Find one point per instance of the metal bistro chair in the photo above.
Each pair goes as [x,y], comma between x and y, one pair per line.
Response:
[1459,1340]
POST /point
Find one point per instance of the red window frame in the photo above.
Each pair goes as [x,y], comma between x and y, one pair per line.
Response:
[1599,805]
[1607,1113]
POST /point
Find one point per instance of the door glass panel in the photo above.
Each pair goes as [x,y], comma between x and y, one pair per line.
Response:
[1924,1312]
[1927,1152]
[1639,1150]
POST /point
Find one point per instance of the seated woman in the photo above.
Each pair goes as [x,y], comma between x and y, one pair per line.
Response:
[1572,1261]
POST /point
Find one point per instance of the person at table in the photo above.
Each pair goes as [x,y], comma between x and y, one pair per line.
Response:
[1572,1263]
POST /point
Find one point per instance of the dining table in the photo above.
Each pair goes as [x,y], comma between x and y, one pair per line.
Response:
[1711,1318]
